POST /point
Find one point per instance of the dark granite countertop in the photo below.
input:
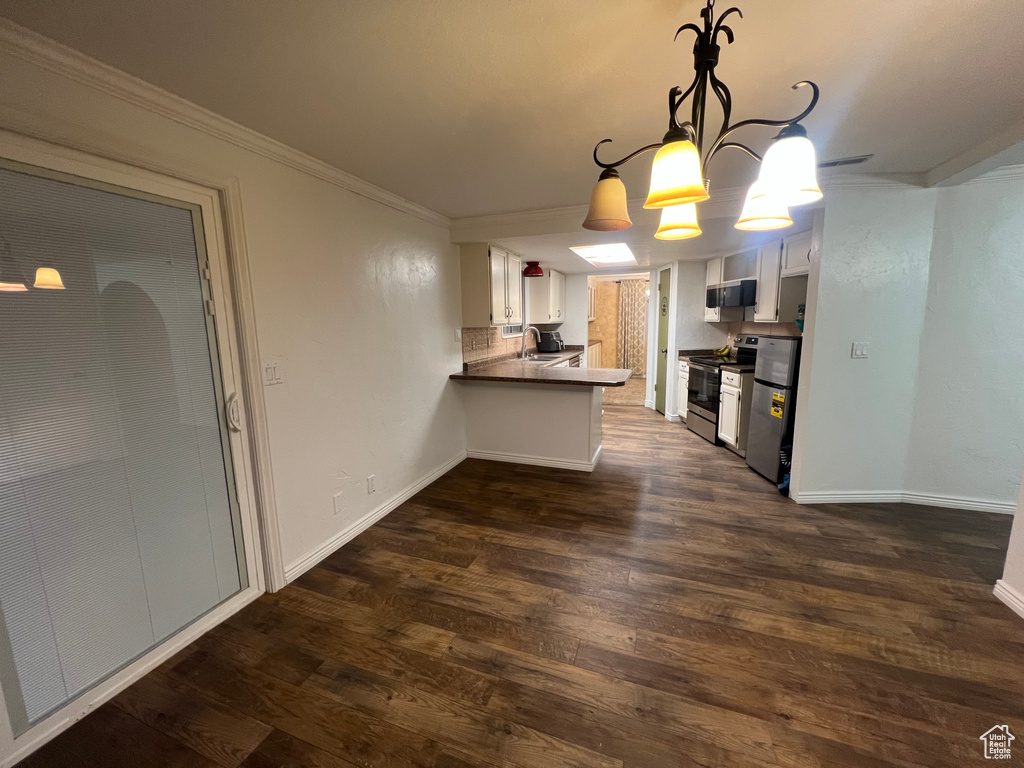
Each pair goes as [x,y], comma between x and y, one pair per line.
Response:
[686,354]
[546,373]
[739,367]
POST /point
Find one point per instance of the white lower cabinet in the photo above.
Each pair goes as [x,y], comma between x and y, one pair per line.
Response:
[734,409]
[682,389]
[594,355]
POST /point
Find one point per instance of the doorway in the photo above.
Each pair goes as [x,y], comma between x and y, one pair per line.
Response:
[661,352]
[618,328]
[126,519]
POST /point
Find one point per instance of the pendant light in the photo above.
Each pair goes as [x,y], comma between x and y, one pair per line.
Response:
[533,269]
[789,171]
[11,279]
[608,209]
[678,222]
[761,212]
[675,176]
[49,278]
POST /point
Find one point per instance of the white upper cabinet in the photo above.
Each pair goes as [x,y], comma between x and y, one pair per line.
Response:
[796,254]
[714,277]
[513,288]
[492,292]
[591,302]
[547,298]
[769,261]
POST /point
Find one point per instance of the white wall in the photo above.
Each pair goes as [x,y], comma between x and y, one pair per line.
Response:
[871,286]
[691,296]
[356,299]
[967,435]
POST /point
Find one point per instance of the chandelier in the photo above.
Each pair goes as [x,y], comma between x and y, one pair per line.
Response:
[788,175]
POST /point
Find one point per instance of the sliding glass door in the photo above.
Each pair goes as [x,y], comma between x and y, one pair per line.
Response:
[119,518]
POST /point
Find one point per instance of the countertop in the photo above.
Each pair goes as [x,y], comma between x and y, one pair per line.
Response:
[686,354]
[546,373]
[739,367]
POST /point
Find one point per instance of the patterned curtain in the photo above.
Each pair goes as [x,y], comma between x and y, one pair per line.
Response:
[632,335]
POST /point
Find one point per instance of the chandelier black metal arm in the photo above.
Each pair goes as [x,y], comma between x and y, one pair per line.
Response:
[706,53]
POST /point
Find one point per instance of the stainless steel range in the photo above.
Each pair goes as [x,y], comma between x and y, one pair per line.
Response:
[705,384]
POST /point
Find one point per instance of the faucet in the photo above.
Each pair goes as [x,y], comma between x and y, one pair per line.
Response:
[526,331]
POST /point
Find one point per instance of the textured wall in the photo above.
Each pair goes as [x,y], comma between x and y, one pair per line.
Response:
[967,436]
[692,332]
[356,300]
[606,328]
[872,286]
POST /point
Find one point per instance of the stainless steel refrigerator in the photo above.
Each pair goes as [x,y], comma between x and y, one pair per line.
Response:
[773,405]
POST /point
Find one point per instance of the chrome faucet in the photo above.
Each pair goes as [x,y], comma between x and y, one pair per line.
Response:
[522,355]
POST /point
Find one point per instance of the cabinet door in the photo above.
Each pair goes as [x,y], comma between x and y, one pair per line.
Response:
[499,296]
[681,391]
[714,277]
[514,288]
[766,307]
[796,254]
[556,298]
[729,416]
[591,303]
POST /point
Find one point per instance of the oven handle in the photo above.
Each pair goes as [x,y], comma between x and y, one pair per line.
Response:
[702,367]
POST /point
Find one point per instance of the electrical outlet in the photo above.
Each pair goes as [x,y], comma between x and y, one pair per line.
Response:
[338,505]
[859,350]
[371,484]
[458,334]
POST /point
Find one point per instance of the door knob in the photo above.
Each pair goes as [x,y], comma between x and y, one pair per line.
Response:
[664,351]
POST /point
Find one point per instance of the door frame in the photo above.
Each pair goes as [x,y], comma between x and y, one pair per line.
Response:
[671,381]
[235,325]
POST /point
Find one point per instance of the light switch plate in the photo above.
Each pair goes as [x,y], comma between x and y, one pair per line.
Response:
[859,350]
[371,484]
[272,374]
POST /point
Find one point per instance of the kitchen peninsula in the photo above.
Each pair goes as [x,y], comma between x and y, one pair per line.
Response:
[536,411]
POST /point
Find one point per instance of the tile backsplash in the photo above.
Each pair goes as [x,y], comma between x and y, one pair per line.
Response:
[479,344]
[762,329]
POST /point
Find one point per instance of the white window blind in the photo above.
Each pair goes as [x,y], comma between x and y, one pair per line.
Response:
[118,525]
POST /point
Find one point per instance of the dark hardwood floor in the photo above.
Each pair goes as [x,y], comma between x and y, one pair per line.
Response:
[671,609]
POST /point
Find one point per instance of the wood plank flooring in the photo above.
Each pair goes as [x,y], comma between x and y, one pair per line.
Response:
[671,609]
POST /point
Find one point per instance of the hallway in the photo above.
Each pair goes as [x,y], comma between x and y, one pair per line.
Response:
[670,609]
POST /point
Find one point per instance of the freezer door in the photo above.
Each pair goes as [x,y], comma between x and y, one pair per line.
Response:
[777,361]
[769,416]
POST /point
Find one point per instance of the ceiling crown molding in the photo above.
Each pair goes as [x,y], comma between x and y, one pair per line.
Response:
[60,59]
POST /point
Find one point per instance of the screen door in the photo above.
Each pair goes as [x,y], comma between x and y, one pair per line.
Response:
[119,520]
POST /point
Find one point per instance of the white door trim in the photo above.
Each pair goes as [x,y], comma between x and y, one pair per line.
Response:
[234,320]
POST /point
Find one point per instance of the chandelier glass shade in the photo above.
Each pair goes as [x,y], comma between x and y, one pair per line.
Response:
[608,209]
[676,178]
[788,174]
[678,222]
[48,277]
[761,212]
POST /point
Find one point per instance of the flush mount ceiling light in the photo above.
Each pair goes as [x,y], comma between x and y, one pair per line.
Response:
[788,171]
[605,254]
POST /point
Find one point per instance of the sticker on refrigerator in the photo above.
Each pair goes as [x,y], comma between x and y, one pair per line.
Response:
[778,397]
[777,411]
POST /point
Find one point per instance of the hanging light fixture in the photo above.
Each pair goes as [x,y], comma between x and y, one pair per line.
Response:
[533,269]
[608,211]
[761,212]
[11,279]
[49,278]
[788,173]
[678,222]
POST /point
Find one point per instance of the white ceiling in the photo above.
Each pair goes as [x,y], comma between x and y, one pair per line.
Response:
[471,107]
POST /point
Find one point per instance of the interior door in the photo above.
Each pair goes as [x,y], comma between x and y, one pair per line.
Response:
[661,385]
[119,508]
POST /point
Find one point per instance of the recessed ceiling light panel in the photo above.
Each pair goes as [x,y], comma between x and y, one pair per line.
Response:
[605,254]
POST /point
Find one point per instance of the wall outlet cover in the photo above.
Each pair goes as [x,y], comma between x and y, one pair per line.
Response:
[859,350]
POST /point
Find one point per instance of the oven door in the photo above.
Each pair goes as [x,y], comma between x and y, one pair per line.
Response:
[703,391]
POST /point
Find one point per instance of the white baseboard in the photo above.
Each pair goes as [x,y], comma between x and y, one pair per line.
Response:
[538,461]
[960,502]
[672,417]
[649,404]
[848,497]
[900,497]
[1013,599]
[339,540]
